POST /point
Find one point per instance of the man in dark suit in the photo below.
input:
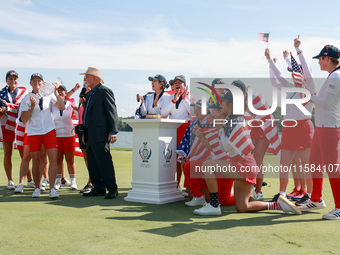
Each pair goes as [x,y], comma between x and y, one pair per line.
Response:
[101,128]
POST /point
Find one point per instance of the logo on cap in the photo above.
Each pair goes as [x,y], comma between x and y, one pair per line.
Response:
[11,73]
[36,75]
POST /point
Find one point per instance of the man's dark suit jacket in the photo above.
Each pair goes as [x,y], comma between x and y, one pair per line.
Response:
[101,116]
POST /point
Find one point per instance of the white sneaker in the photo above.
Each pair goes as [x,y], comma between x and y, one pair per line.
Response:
[57,185]
[332,215]
[65,182]
[45,182]
[74,185]
[287,206]
[19,189]
[208,209]
[42,188]
[310,205]
[196,201]
[185,193]
[36,193]
[30,184]
[53,194]
[10,185]
[258,196]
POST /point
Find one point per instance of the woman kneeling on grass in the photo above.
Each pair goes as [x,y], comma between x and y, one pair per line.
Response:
[234,138]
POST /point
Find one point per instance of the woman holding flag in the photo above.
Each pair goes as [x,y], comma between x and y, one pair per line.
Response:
[242,167]
[295,139]
[11,96]
[298,176]
[195,153]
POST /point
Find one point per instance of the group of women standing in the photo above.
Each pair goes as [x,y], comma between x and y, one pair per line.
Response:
[317,150]
[48,133]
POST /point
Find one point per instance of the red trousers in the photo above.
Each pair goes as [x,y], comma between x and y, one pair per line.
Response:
[196,182]
[325,154]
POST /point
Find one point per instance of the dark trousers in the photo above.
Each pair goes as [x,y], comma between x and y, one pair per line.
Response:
[101,169]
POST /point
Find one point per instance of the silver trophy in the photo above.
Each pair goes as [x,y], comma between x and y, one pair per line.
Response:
[48,89]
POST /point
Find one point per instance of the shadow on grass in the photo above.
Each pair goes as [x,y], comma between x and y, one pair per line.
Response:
[178,229]
[177,212]
[181,217]
[68,198]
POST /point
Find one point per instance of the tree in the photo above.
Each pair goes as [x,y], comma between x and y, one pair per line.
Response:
[123,126]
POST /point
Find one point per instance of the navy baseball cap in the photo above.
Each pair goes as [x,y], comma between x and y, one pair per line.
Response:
[180,77]
[227,96]
[240,84]
[159,78]
[63,87]
[37,75]
[11,73]
[217,81]
[329,51]
[198,103]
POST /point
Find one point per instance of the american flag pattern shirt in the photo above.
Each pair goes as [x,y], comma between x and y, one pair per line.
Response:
[235,138]
[12,106]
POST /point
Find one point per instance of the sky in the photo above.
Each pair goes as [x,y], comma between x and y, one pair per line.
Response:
[132,40]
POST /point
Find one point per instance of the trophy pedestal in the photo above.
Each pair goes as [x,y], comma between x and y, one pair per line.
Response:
[154,161]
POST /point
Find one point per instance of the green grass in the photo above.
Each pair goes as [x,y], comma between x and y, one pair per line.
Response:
[84,225]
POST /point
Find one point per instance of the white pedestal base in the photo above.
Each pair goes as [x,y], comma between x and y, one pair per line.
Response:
[154,193]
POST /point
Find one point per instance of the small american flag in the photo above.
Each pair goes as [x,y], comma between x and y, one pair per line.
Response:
[183,149]
[263,37]
[298,76]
